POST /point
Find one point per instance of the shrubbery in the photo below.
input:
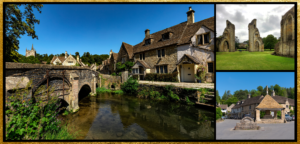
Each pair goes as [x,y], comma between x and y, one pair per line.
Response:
[102,90]
[32,119]
[130,86]
[218,113]
[170,77]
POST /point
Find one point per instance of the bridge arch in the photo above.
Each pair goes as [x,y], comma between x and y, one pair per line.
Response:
[84,91]
[62,88]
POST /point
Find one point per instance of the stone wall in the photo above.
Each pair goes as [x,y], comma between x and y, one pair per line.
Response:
[227,41]
[255,41]
[152,59]
[181,92]
[110,82]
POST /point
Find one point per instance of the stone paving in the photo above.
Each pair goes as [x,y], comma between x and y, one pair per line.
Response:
[282,131]
[181,84]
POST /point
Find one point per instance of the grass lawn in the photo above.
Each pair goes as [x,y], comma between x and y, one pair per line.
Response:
[252,61]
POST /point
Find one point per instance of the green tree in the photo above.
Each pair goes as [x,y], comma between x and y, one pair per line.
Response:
[18,23]
[270,41]
[224,97]
[218,113]
[260,89]
[30,59]
[231,100]
[77,53]
[218,98]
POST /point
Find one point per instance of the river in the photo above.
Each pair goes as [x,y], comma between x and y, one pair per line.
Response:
[121,117]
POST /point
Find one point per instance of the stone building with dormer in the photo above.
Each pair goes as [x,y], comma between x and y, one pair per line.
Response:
[67,60]
[181,48]
[31,52]
[248,106]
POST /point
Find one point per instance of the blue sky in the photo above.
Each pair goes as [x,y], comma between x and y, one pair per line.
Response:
[98,28]
[251,80]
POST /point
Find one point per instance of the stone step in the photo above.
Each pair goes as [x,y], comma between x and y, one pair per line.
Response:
[205,104]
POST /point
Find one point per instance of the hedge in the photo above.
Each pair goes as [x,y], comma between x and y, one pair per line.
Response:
[170,77]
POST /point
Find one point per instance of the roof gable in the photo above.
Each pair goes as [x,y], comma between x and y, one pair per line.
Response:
[269,103]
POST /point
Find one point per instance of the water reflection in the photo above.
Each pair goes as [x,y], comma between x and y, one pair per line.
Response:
[113,117]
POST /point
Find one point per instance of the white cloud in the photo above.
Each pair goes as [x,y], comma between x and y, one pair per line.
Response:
[268,18]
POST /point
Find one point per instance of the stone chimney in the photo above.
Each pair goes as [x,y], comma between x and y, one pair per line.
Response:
[267,91]
[273,93]
[66,54]
[248,96]
[77,57]
[190,16]
[147,33]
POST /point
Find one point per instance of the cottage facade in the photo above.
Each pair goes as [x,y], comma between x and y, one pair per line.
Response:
[66,60]
[248,106]
[181,48]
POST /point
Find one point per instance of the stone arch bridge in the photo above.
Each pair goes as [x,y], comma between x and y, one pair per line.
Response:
[70,83]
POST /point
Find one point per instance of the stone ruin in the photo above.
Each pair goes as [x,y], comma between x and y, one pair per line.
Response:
[227,42]
[255,41]
[246,123]
[286,45]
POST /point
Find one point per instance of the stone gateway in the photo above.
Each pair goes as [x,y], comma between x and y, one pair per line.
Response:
[227,41]
[255,41]
[286,45]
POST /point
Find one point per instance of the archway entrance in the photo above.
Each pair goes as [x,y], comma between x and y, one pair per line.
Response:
[84,91]
[226,46]
[256,46]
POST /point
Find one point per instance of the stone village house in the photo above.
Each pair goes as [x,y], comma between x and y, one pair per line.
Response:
[248,106]
[181,48]
[66,60]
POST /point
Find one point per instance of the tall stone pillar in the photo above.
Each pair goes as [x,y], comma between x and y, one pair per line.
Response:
[275,114]
[74,99]
[282,115]
[124,76]
[178,76]
[258,115]
[94,83]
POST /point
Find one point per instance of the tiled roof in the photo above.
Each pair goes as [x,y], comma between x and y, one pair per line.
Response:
[258,99]
[281,100]
[129,49]
[195,60]
[181,34]
[61,58]
[269,103]
[223,106]
[193,28]
[143,63]
[115,56]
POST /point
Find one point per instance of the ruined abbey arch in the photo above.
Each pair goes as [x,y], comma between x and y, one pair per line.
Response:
[286,45]
[227,42]
[255,41]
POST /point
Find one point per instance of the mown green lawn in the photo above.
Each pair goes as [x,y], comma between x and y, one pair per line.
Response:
[252,61]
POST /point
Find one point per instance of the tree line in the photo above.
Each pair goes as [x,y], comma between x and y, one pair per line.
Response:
[86,58]
[238,95]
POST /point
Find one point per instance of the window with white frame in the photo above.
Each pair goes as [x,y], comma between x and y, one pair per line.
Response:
[123,59]
[203,39]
